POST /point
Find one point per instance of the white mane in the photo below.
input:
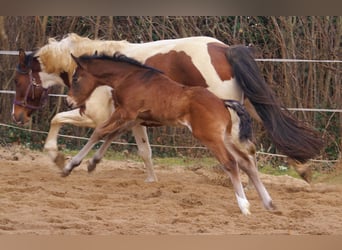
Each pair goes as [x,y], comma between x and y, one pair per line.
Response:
[55,57]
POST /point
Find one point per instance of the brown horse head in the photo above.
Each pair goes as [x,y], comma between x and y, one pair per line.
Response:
[92,72]
[29,93]
[80,95]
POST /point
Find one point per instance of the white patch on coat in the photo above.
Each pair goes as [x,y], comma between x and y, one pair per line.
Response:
[49,80]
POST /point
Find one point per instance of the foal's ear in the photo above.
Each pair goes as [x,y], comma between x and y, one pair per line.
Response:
[77,61]
[22,57]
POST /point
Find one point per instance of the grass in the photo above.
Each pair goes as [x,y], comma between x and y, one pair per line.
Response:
[273,167]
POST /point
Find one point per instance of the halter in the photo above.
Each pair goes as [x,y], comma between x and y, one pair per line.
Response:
[32,86]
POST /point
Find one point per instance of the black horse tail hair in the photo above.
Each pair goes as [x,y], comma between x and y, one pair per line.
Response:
[245,126]
[292,137]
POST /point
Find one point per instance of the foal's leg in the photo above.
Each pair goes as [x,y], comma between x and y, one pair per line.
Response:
[144,148]
[247,163]
[230,166]
[100,152]
[70,117]
[115,125]
[77,159]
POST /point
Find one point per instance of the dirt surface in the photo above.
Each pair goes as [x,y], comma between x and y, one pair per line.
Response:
[115,200]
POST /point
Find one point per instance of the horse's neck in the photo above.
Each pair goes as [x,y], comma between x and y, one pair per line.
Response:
[113,75]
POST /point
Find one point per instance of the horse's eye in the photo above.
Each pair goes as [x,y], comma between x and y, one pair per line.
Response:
[74,79]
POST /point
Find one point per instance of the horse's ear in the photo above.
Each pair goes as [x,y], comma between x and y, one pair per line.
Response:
[22,57]
[77,61]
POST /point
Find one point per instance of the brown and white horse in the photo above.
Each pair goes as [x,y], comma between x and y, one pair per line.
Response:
[229,72]
[144,95]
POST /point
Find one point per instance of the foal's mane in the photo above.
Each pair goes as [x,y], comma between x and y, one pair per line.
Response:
[118,57]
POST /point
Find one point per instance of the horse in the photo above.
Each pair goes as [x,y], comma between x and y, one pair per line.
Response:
[31,95]
[230,72]
[144,95]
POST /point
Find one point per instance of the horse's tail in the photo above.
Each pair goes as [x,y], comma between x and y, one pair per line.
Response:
[290,136]
[245,126]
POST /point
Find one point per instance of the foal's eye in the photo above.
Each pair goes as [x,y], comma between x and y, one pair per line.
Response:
[74,79]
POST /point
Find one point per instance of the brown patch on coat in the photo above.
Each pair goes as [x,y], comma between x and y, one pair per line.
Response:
[179,67]
[217,53]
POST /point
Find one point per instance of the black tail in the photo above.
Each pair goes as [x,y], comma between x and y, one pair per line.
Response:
[290,136]
[245,127]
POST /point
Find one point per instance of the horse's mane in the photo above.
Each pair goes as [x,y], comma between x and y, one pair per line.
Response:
[55,56]
[118,57]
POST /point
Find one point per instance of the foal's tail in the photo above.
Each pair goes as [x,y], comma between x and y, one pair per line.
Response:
[245,126]
[290,136]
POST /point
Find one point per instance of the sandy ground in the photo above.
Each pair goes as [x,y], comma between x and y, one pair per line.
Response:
[115,200]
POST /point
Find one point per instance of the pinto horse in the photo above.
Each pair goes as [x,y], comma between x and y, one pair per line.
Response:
[229,72]
[144,95]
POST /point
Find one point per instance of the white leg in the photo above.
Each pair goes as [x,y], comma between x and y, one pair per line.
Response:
[249,167]
[243,204]
[144,150]
[239,192]
[69,117]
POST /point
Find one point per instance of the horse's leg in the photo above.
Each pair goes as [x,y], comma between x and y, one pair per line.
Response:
[144,150]
[229,165]
[70,117]
[77,159]
[232,170]
[246,161]
[100,152]
[235,135]
[113,126]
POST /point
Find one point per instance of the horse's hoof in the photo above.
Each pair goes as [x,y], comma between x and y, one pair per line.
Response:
[60,160]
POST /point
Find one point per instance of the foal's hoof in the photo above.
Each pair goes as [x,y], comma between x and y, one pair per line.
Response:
[306,175]
[60,160]
[271,207]
[65,172]
[91,166]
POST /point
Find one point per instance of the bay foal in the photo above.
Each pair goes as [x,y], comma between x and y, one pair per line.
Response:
[143,95]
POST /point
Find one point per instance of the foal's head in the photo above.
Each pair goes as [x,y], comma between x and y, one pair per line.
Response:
[29,93]
[82,84]
[96,70]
